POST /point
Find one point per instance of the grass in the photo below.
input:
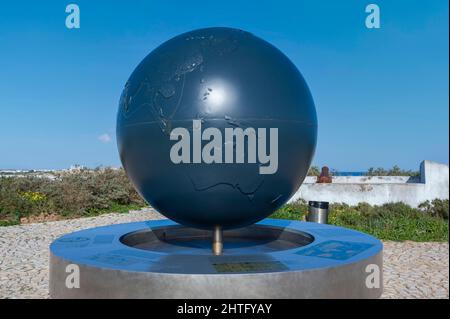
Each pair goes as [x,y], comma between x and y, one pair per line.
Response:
[393,221]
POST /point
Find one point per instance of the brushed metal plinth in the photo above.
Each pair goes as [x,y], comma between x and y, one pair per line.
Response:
[271,259]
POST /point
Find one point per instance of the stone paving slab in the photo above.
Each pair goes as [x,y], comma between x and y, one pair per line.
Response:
[411,270]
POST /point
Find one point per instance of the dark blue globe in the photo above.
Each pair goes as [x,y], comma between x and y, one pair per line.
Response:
[216,127]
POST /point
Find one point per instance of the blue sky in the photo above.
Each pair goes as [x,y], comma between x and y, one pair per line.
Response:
[381,94]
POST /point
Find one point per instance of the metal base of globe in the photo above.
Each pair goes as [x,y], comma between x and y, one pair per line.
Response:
[162,259]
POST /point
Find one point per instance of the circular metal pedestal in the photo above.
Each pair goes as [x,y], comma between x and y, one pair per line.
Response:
[271,259]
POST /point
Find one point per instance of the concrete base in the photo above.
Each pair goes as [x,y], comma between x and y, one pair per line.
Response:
[271,259]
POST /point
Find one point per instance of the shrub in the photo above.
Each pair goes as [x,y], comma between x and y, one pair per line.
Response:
[394,171]
[295,211]
[437,208]
[313,171]
[70,194]
[392,221]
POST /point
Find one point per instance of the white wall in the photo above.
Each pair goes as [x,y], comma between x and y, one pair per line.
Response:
[377,190]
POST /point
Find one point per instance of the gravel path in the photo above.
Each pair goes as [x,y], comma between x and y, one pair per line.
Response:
[411,270]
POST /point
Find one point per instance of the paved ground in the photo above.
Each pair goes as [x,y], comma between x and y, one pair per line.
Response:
[411,270]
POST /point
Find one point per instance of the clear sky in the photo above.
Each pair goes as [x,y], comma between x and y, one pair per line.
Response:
[381,94]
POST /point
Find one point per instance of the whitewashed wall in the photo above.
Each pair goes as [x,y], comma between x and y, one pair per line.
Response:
[377,190]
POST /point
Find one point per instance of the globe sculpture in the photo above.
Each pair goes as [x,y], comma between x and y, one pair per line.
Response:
[216,128]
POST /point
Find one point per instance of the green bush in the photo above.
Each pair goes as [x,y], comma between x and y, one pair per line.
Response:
[392,221]
[295,211]
[437,208]
[394,171]
[70,194]
[313,171]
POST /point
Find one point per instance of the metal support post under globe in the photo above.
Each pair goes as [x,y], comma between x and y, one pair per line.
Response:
[217,244]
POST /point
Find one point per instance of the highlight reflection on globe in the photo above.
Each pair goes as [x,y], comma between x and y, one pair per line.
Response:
[216,127]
